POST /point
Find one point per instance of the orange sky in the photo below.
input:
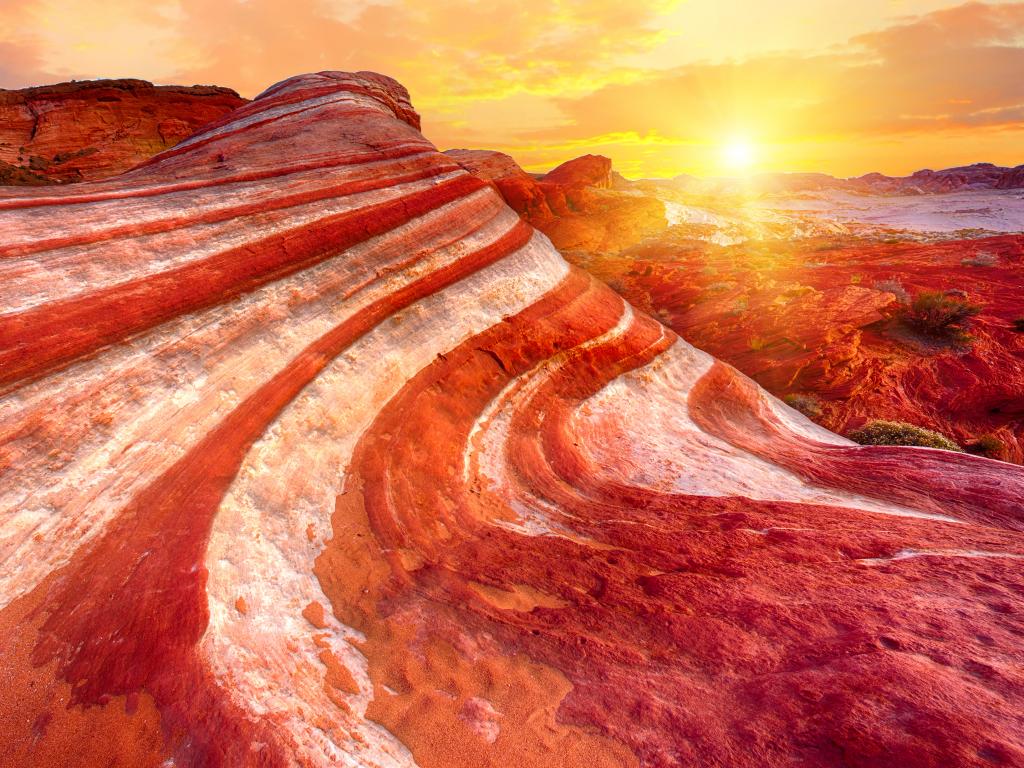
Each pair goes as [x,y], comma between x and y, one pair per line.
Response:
[662,87]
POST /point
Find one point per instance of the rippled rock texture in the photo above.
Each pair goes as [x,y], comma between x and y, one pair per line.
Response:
[315,453]
[93,129]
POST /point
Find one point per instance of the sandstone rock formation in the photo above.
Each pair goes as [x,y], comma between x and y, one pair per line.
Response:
[315,453]
[819,318]
[813,315]
[927,181]
[93,129]
[582,172]
[979,176]
[573,204]
[519,189]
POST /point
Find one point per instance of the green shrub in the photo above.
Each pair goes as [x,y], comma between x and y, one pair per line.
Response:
[809,405]
[942,315]
[901,433]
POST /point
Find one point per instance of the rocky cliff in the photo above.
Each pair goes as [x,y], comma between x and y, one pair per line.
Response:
[315,453]
[573,204]
[93,129]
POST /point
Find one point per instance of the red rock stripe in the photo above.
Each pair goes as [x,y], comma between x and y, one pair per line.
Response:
[47,337]
[648,632]
[266,102]
[542,453]
[393,178]
[412,491]
[350,111]
[125,191]
[729,405]
[156,545]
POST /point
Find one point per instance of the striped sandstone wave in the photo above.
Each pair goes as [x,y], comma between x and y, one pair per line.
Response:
[314,453]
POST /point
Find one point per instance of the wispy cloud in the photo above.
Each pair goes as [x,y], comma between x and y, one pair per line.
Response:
[539,79]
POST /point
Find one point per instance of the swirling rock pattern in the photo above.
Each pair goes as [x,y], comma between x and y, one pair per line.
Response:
[314,453]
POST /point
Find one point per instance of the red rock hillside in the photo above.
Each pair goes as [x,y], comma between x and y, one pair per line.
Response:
[817,317]
[315,454]
[94,129]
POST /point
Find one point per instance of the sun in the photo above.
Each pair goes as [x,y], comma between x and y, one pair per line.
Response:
[738,154]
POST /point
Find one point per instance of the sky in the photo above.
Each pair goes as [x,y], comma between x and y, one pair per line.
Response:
[706,87]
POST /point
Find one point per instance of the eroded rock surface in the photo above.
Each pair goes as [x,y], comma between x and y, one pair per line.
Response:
[93,129]
[314,452]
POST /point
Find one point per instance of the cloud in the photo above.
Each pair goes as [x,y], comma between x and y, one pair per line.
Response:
[956,68]
[452,51]
[537,79]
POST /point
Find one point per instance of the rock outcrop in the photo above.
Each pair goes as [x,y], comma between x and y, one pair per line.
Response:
[315,453]
[573,204]
[927,181]
[519,189]
[980,176]
[89,130]
[820,318]
[582,172]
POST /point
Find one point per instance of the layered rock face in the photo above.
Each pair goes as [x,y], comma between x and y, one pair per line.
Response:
[519,189]
[315,453]
[94,129]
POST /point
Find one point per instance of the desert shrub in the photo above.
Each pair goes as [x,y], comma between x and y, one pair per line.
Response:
[901,433]
[942,315]
[796,291]
[988,445]
[809,405]
[894,287]
[855,279]
[981,259]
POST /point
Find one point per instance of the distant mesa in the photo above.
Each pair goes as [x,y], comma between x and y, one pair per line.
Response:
[980,176]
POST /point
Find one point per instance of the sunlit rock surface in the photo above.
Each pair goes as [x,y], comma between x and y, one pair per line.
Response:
[96,128]
[315,453]
[804,292]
